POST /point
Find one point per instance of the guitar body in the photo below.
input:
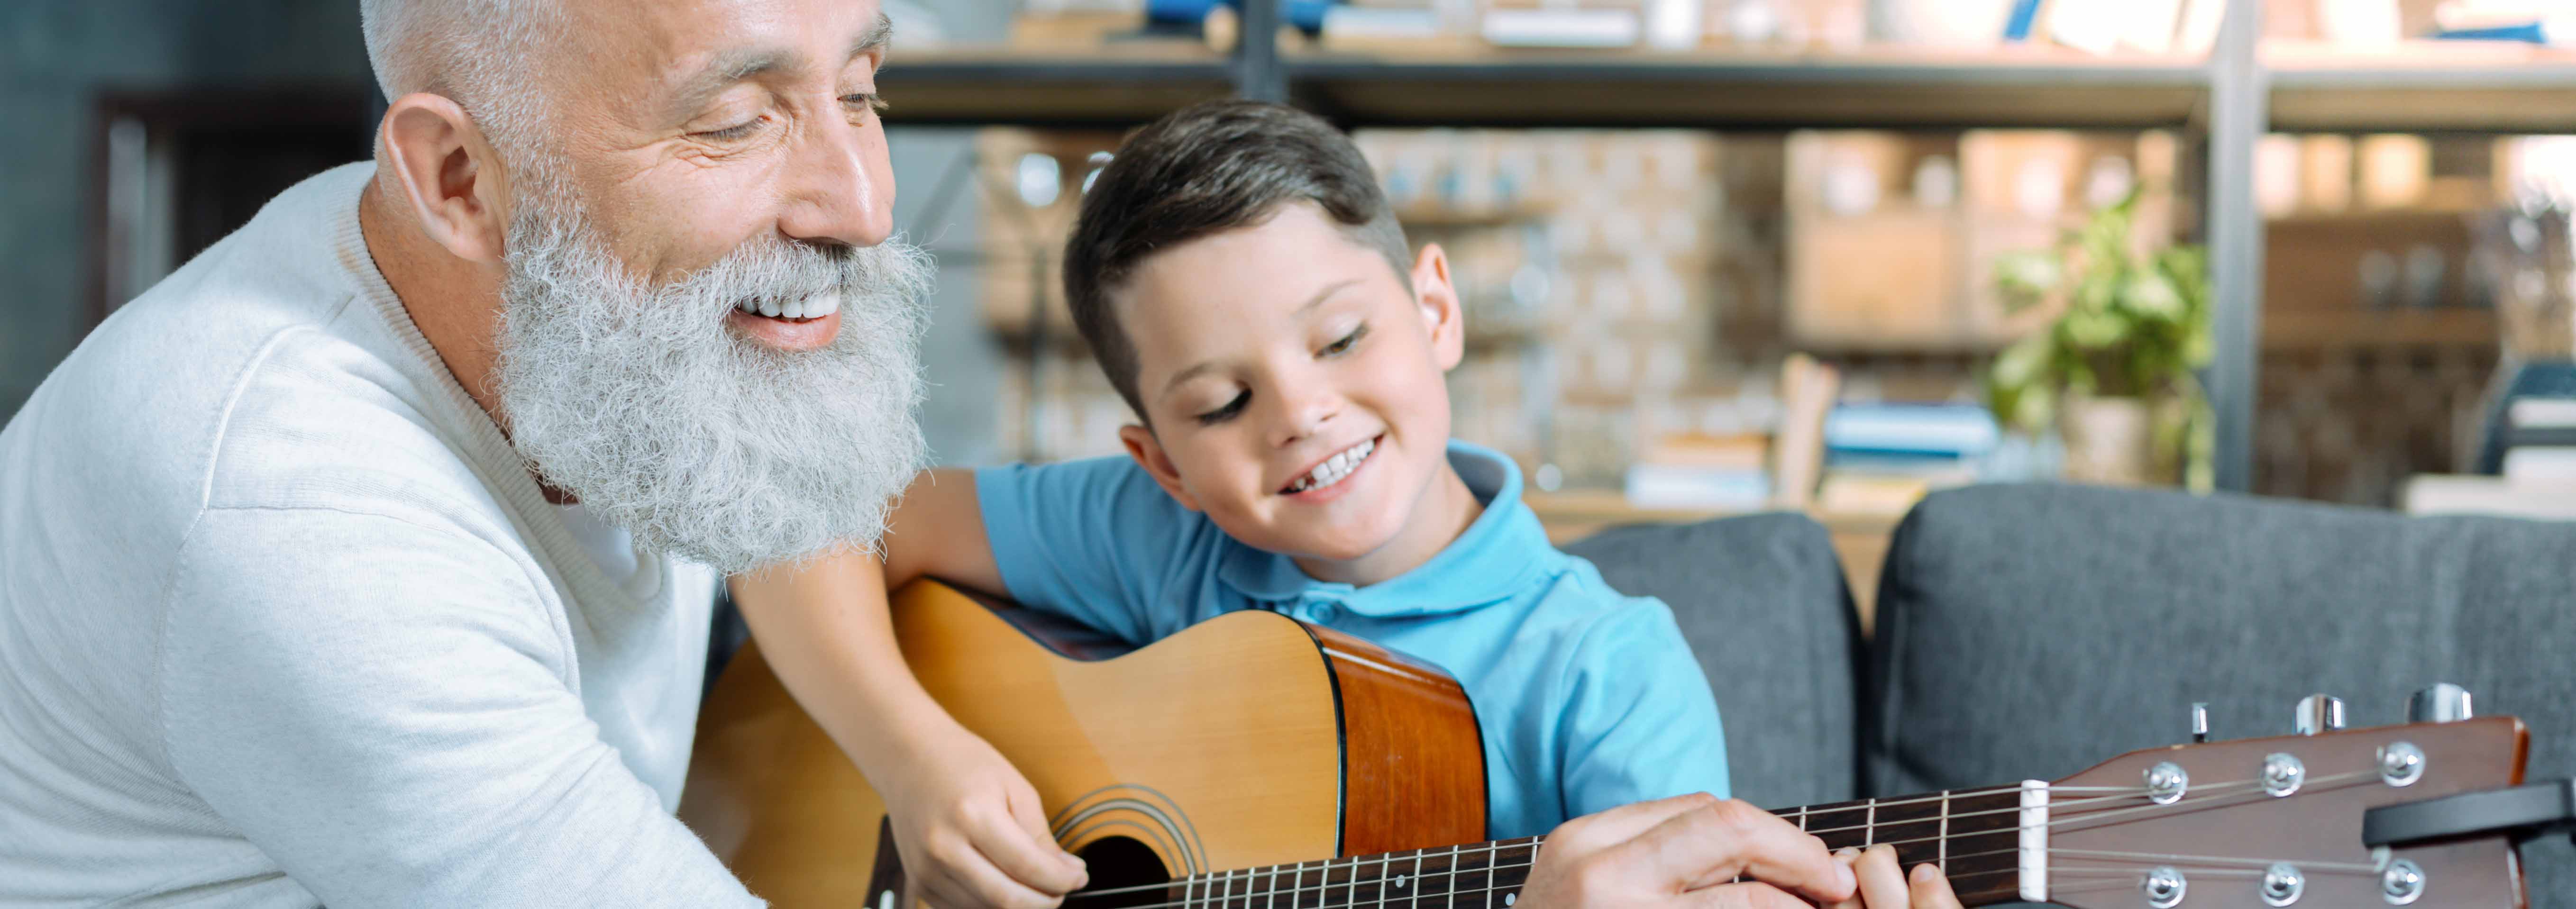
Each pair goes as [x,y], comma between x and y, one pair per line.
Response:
[1251,739]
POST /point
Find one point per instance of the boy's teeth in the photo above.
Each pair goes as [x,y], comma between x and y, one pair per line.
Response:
[1335,468]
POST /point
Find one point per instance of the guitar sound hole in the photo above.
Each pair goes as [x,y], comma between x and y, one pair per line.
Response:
[1118,863]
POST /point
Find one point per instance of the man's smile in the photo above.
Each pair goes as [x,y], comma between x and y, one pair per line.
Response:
[792,325]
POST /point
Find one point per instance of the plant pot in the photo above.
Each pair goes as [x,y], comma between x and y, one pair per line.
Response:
[2117,441]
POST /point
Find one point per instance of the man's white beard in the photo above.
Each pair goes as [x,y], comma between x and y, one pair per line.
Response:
[642,403]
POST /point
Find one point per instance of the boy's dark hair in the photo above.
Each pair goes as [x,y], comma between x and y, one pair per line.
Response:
[1206,169]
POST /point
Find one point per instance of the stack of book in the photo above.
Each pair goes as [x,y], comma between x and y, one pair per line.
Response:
[1881,458]
[1702,472]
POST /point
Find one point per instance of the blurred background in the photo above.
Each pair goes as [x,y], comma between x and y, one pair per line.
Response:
[1719,255]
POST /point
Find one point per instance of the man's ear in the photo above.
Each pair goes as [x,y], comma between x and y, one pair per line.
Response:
[449,174]
[1148,452]
[1438,299]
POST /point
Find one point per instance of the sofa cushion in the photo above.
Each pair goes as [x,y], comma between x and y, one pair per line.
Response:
[1763,603]
[2033,631]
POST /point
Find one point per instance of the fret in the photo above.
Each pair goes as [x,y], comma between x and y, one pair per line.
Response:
[1869,827]
[1189,889]
[1802,819]
[1912,825]
[1942,858]
[1452,901]
[1225,888]
[1273,902]
[1417,879]
[1323,876]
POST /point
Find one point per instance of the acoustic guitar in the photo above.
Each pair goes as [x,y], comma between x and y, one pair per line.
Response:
[1254,761]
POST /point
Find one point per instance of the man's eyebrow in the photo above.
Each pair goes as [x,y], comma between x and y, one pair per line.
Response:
[725,71]
[1302,308]
[874,39]
[732,67]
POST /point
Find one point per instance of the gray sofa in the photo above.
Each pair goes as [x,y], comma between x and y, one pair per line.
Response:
[2033,631]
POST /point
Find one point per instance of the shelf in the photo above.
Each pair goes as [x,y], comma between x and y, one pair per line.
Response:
[1749,89]
[2423,87]
[2389,329]
[1116,87]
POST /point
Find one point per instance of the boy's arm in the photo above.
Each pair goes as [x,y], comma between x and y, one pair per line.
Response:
[967,824]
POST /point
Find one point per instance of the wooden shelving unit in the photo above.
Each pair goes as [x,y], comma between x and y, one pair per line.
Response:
[2230,99]
[2394,329]
[1749,89]
[2423,87]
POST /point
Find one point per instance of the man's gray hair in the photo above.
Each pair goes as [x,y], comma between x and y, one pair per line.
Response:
[477,53]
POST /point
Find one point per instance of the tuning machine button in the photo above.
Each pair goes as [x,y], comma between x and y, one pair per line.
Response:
[2441,703]
[2319,713]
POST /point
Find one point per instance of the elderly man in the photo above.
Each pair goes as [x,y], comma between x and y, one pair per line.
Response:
[368,559]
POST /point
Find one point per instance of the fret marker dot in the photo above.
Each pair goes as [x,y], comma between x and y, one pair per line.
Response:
[1509,898]
[1399,880]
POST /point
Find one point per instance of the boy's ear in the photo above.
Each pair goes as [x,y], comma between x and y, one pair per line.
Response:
[1438,299]
[448,174]
[1148,452]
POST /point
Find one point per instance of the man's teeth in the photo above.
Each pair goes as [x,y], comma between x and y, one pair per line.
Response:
[813,307]
[1334,468]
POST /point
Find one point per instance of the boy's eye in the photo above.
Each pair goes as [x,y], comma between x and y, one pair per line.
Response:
[1227,412]
[1346,342]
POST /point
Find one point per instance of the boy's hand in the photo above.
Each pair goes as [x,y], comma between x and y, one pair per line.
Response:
[971,831]
[1885,886]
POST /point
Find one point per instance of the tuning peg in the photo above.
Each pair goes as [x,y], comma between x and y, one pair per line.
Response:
[2319,713]
[2442,703]
[2199,722]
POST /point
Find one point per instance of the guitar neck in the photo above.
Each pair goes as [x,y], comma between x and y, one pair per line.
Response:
[1973,836]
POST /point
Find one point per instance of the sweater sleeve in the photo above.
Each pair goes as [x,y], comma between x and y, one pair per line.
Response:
[384,710]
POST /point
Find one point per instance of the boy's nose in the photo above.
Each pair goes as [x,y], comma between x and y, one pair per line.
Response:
[1305,416]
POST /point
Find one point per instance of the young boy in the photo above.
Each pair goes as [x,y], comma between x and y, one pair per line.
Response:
[1246,288]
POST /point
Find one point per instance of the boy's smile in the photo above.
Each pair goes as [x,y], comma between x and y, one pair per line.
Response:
[1294,387]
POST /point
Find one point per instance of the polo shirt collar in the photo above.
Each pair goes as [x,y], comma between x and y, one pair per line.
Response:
[1488,564]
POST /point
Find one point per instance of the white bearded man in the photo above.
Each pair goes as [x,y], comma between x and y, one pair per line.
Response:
[368,560]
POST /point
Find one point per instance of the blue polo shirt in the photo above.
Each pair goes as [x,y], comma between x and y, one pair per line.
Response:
[1588,699]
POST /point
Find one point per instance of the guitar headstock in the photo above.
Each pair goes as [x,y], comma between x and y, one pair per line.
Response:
[2275,822]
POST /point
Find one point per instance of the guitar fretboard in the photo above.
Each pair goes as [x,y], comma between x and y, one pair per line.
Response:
[1974,837]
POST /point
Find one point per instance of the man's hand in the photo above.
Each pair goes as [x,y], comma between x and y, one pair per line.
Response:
[970,829]
[1885,886]
[1685,851]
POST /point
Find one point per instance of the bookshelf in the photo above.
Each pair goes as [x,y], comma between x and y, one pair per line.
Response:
[2241,90]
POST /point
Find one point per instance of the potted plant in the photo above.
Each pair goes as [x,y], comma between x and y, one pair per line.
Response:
[2114,371]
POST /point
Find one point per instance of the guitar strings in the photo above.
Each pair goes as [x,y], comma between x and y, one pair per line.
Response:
[2198,803]
[2126,791]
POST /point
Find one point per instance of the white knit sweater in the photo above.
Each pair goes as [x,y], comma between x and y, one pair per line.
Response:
[283,620]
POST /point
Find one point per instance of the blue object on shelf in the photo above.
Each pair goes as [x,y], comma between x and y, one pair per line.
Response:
[1306,15]
[2535,33]
[2024,14]
[1946,430]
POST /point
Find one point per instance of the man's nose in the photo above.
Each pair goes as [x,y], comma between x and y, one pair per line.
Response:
[842,186]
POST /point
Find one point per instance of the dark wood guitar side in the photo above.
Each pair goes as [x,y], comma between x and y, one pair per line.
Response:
[1248,740]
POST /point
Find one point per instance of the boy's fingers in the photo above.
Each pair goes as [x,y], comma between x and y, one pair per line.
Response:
[1030,814]
[1707,846]
[1033,865]
[1931,889]
[1882,881]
